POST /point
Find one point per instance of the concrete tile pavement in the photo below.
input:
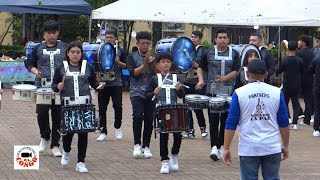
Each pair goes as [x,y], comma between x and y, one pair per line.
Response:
[113,159]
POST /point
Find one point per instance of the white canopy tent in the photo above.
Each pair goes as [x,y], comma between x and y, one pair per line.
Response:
[227,12]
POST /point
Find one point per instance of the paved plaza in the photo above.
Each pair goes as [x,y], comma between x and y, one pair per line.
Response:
[113,158]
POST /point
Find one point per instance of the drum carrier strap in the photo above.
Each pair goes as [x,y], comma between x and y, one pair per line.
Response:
[51,55]
[223,59]
[75,78]
[167,87]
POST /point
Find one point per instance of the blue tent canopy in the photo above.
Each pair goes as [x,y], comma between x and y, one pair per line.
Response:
[46,6]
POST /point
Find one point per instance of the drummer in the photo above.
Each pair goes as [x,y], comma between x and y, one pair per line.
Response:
[166,95]
[43,66]
[220,81]
[191,81]
[112,89]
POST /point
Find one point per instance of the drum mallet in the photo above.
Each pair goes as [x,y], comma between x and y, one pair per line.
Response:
[164,80]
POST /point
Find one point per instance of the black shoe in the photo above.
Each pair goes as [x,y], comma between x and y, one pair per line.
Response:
[189,135]
[204,132]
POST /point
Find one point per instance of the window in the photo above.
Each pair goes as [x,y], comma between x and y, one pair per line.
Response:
[173,27]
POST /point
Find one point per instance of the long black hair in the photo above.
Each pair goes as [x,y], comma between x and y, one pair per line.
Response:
[71,45]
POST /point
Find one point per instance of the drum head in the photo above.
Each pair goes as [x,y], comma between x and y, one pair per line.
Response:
[24,87]
[90,52]
[217,100]
[246,51]
[44,90]
[164,45]
[197,97]
[183,54]
[106,57]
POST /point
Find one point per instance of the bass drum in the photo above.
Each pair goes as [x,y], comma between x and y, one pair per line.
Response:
[183,54]
[90,53]
[100,56]
[182,51]
[28,49]
[106,57]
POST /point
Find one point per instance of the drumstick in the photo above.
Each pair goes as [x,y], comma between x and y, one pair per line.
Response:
[164,80]
[64,77]
[180,83]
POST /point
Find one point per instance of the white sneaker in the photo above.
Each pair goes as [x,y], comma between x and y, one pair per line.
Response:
[174,163]
[214,155]
[147,153]
[81,167]
[43,145]
[316,133]
[204,132]
[165,167]
[65,158]
[294,127]
[301,116]
[56,152]
[290,121]
[137,152]
[118,134]
[102,137]
[303,124]
[221,151]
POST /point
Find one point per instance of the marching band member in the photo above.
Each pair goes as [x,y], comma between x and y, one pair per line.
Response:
[112,89]
[164,62]
[142,109]
[242,78]
[66,85]
[45,58]
[191,81]
[222,64]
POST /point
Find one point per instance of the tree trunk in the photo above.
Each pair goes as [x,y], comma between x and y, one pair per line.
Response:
[156,33]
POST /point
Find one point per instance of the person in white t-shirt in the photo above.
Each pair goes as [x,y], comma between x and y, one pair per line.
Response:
[259,111]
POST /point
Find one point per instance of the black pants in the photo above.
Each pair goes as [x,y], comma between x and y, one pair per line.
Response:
[199,112]
[316,124]
[216,134]
[294,96]
[164,137]
[142,111]
[308,103]
[104,95]
[44,124]
[82,144]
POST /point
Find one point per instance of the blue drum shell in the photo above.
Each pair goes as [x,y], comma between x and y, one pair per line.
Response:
[29,47]
[164,45]
[183,54]
[106,58]
[90,52]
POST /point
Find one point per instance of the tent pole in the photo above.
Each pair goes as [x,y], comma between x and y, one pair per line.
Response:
[279,54]
[90,23]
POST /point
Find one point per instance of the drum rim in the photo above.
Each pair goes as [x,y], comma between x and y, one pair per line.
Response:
[197,95]
[40,90]
[15,87]
[98,56]
[222,100]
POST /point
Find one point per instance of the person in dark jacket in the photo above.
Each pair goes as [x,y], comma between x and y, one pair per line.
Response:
[306,53]
[292,67]
[256,39]
[315,69]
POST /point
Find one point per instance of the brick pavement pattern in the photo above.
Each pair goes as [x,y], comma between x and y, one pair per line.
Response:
[112,159]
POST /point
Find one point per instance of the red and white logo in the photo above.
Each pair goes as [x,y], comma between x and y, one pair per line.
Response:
[26,157]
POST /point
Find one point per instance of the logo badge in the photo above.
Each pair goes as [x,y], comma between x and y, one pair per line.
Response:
[26,157]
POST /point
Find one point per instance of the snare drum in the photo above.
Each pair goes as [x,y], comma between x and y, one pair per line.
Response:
[78,119]
[172,118]
[196,101]
[57,100]
[24,92]
[228,99]
[217,104]
[44,96]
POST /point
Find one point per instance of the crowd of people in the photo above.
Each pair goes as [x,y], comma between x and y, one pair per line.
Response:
[258,109]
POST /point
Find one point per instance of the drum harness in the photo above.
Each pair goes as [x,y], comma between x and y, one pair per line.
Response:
[78,99]
[51,55]
[167,87]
